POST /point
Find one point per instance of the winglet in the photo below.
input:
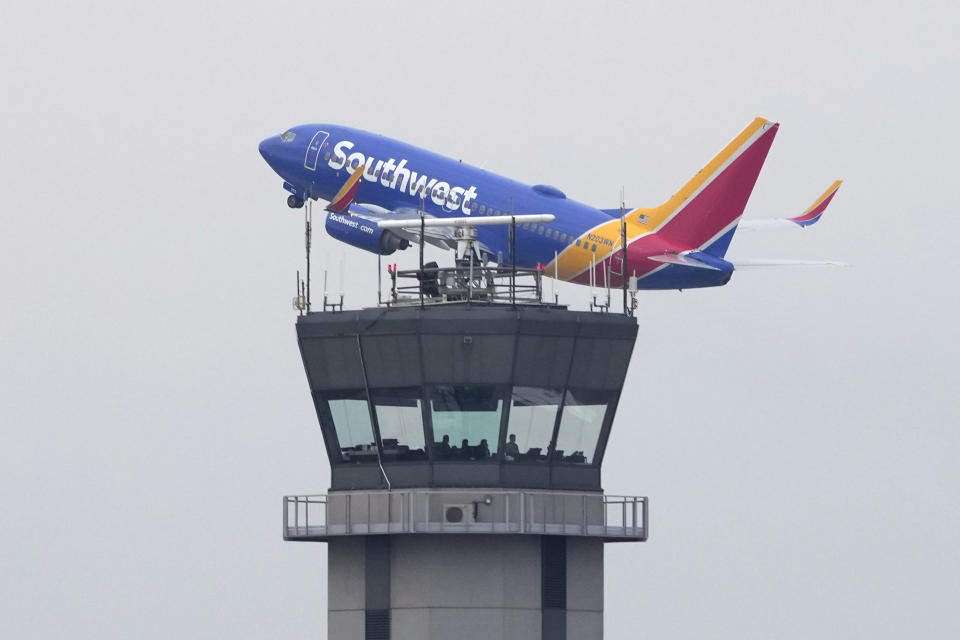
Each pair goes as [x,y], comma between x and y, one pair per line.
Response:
[813,214]
[347,192]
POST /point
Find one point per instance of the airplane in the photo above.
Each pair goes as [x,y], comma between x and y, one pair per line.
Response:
[384,194]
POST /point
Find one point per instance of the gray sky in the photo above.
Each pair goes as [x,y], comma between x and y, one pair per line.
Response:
[795,430]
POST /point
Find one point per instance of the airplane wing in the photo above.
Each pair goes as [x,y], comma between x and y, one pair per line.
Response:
[809,217]
[438,236]
[440,230]
[416,223]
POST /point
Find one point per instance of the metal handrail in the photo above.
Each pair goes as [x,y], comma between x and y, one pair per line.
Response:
[473,283]
[421,511]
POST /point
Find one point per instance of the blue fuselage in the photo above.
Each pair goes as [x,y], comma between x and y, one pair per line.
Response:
[316,161]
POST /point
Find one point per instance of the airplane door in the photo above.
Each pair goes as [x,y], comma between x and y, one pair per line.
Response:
[314,149]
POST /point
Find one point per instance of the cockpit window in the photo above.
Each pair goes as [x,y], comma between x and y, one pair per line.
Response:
[287,136]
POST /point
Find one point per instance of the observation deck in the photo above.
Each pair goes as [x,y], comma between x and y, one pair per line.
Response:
[466,395]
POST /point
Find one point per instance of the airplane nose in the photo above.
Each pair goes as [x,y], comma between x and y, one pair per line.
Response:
[268,148]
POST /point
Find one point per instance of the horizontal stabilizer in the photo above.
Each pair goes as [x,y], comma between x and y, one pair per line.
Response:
[685,260]
[747,263]
[415,223]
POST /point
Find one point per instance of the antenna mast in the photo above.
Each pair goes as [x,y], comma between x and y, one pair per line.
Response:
[307,232]
[623,251]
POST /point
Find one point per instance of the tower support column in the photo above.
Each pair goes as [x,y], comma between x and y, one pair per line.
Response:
[468,587]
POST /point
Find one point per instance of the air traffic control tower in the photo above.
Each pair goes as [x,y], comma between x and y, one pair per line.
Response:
[465,422]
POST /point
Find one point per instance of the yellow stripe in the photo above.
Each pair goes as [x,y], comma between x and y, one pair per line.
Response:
[826,194]
[607,237]
[353,179]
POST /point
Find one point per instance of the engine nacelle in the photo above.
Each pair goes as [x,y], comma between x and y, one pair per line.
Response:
[364,234]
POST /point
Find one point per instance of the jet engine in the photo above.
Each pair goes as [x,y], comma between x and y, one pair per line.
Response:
[364,234]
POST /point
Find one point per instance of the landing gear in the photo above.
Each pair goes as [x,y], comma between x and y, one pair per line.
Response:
[294,202]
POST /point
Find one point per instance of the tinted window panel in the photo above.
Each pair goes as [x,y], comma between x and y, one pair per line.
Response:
[466,422]
[580,425]
[351,420]
[533,412]
[400,419]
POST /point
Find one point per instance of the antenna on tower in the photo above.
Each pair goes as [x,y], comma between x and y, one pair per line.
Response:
[307,236]
[623,252]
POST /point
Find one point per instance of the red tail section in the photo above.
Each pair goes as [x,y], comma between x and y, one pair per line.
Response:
[707,217]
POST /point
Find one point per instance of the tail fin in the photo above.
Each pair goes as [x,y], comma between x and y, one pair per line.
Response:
[812,215]
[341,201]
[704,213]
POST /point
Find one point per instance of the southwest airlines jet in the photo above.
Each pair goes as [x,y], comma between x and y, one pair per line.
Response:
[379,189]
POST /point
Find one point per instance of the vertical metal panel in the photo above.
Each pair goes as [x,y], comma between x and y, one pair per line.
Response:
[332,362]
[542,361]
[376,624]
[392,361]
[554,572]
[377,588]
[553,576]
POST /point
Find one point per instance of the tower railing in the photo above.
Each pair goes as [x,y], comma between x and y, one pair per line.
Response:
[320,517]
[465,283]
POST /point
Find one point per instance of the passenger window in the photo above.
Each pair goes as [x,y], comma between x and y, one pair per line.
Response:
[541,229]
[563,237]
[556,234]
[578,242]
[533,412]
[466,421]
[593,248]
[482,208]
[580,424]
[400,418]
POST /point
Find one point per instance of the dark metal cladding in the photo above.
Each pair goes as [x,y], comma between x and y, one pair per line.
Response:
[502,347]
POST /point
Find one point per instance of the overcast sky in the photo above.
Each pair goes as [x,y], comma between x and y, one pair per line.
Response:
[796,430]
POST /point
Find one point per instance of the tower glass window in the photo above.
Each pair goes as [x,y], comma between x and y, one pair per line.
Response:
[580,424]
[351,421]
[533,413]
[466,421]
[400,420]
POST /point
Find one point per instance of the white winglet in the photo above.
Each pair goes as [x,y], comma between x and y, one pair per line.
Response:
[808,218]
